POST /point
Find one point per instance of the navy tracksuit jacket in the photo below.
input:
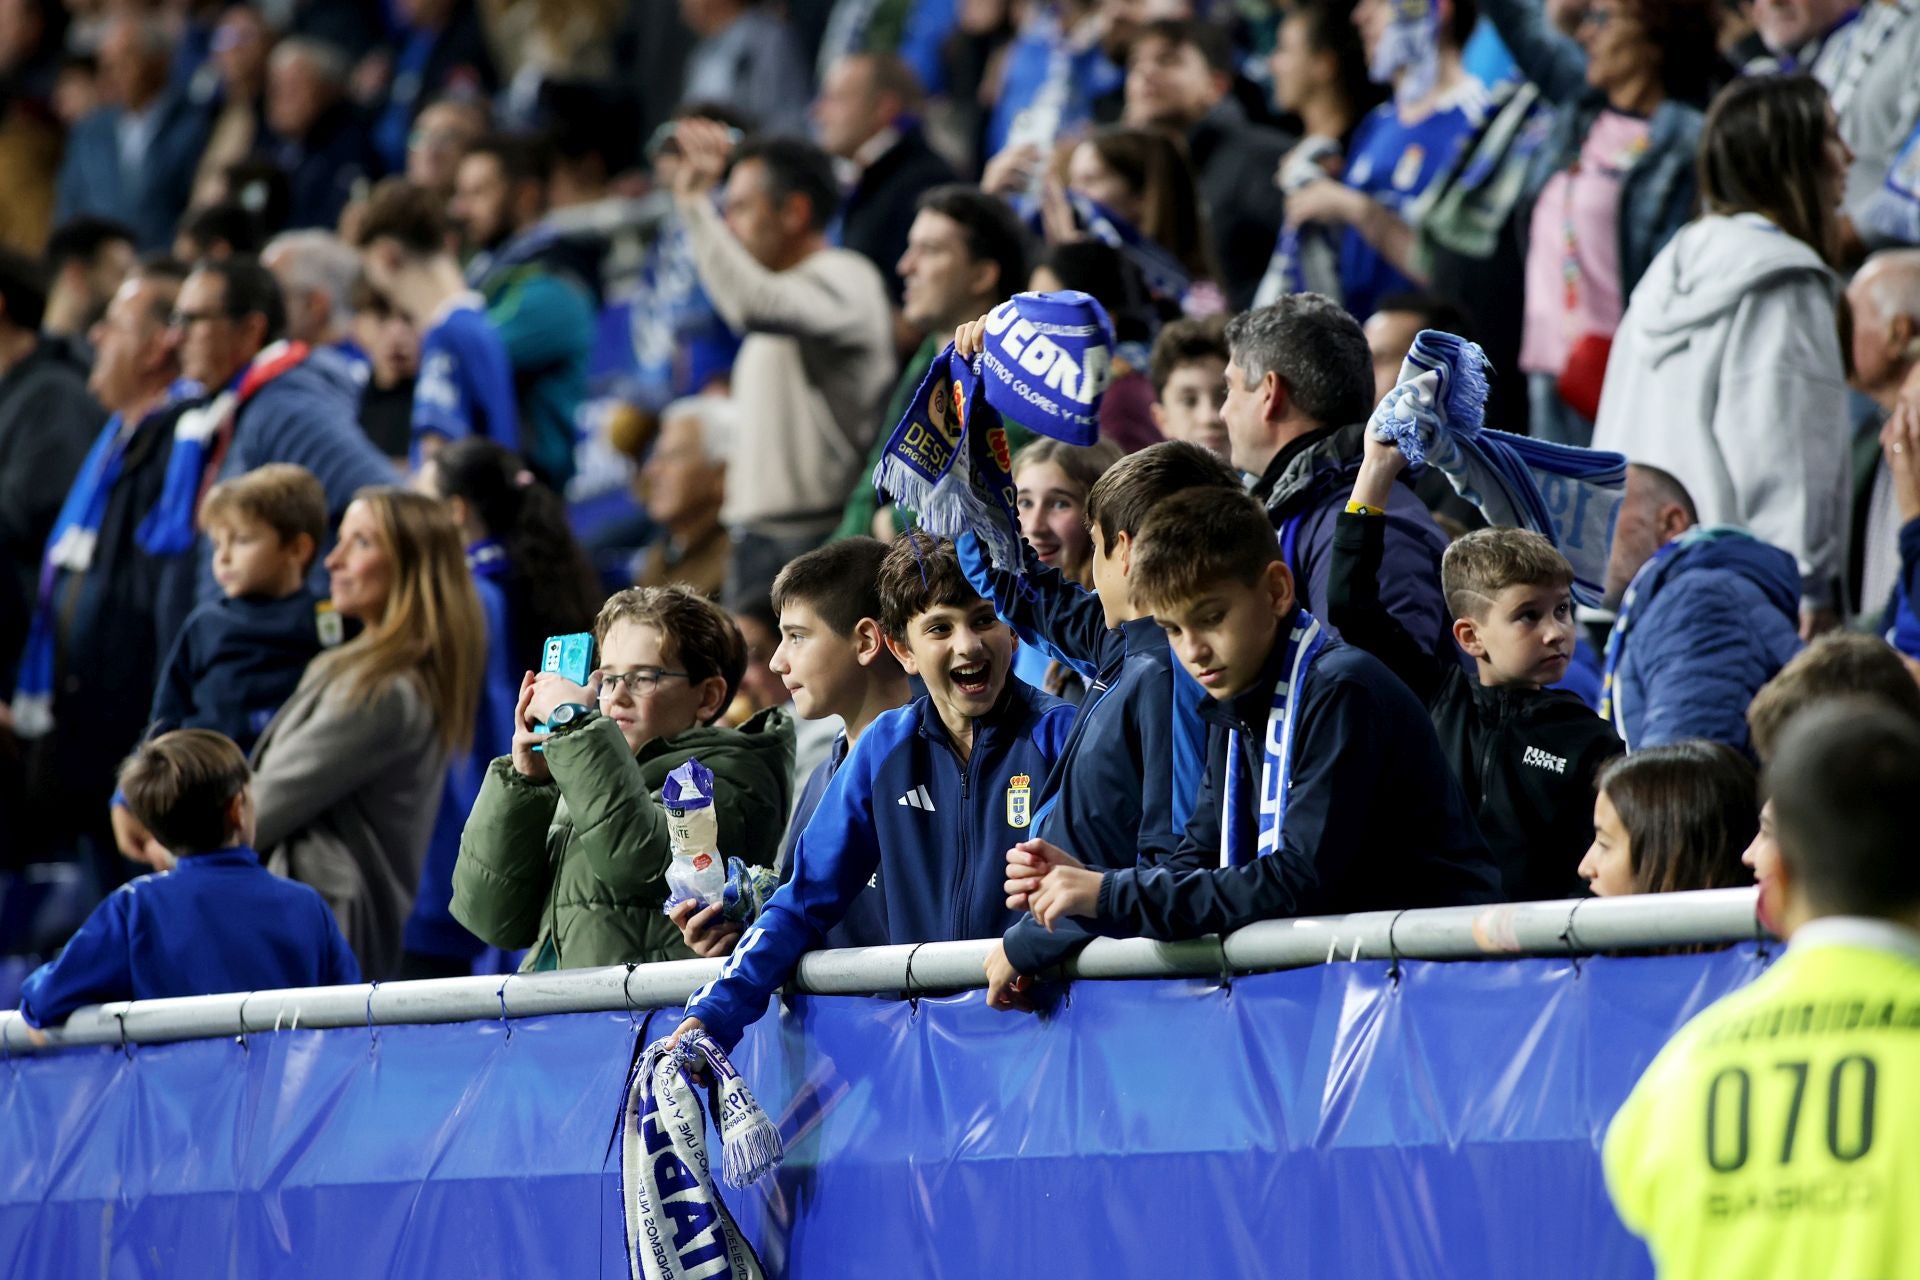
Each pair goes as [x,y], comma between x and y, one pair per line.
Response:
[236,661]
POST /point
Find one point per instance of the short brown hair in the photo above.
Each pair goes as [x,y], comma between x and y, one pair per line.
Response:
[286,498]
[920,572]
[1185,342]
[694,632]
[1832,666]
[1482,564]
[406,213]
[1196,540]
[180,785]
[1129,491]
[839,581]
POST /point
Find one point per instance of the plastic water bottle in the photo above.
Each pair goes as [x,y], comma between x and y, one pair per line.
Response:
[697,871]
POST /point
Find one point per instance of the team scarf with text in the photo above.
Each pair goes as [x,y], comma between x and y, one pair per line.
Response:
[1044,362]
[678,1227]
[1305,639]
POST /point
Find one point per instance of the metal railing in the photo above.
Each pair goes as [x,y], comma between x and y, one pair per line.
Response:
[1575,927]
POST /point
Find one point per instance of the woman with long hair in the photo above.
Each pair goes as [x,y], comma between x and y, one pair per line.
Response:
[1672,818]
[1145,177]
[1726,371]
[348,776]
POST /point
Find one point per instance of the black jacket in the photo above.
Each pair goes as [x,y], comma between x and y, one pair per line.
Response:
[237,661]
[1526,757]
[1236,161]
[882,204]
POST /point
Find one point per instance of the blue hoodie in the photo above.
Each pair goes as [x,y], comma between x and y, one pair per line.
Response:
[1713,619]
[937,829]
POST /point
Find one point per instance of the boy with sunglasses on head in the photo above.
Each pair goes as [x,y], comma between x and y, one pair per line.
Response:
[566,851]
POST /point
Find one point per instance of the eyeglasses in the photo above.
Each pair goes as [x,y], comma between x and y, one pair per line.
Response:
[638,683]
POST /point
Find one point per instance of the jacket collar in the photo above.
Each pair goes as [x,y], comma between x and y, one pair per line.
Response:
[238,856]
[1303,461]
[1016,702]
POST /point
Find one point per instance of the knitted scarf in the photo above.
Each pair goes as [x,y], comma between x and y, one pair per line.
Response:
[1570,496]
[678,1227]
[1305,259]
[1159,270]
[1305,639]
[1411,43]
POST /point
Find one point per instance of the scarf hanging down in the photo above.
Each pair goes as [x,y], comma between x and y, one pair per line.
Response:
[1411,43]
[1304,643]
[678,1227]
[1044,362]
[1568,495]
[1159,270]
[1305,259]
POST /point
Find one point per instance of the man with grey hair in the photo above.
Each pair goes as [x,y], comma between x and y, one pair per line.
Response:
[316,137]
[684,484]
[1884,300]
[1299,391]
[316,271]
[133,159]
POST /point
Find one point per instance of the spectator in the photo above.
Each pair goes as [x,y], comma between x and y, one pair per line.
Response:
[439,140]
[539,287]
[584,885]
[1610,187]
[271,404]
[1097,268]
[47,421]
[746,55]
[89,258]
[1390,333]
[834,661]
[1051,479]
[965,254]
[1319,71]
[39,90]
[442,52]
[1526,752]
[239,56]
[1879,118]
[1189,372]
[1045,83]
[1843,664]
[1178,76]
[1883,300]
[1299,392]
[392,347]
[1900,453]
[1843,878]
[1727,370]
[238,659]
[217,922]
[133,160]
[317,271]
[1671,818]
[319,139]
[1396,153]
[867,118]
[534,581]
[685,483]
[1208,567]
[465,386]
[815,367]
[96,632]
[1705,617]
[1802,35]
[218,232]
[900,805]
[760,687]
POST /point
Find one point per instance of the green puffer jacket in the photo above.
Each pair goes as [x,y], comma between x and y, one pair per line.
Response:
[575,868]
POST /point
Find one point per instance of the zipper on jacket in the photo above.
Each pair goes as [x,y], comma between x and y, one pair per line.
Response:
[965,828]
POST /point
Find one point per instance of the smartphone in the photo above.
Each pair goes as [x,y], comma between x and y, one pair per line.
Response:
[570,656]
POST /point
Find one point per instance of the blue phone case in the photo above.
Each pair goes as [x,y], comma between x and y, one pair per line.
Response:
[570,656]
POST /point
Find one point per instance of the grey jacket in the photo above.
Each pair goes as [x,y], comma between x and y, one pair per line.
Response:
[346,797]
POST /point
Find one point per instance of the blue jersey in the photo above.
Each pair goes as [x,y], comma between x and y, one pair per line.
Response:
[465,386]
[1394,163]
[217,922]
[936,826]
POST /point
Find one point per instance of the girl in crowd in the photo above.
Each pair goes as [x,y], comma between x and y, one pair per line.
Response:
[1726,370]
[1672,818]
[533,580]
[1051,479]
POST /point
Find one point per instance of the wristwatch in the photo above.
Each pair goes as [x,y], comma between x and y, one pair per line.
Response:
[567,714]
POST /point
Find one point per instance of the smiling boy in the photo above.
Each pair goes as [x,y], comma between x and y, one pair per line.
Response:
[1527,754]
[931,795]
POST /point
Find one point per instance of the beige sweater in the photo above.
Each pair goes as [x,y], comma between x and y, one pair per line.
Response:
[810,381]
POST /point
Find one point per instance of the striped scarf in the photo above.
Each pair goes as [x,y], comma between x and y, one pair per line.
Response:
[1305,640]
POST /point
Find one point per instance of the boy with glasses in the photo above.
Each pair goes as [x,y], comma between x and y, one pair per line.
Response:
[566,851]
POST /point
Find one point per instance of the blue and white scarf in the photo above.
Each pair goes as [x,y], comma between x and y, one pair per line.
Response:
[1045,362]
[1305,259]
[1411,44]
[1159,270]
[678,1227]
[1568,495]
[1304,641]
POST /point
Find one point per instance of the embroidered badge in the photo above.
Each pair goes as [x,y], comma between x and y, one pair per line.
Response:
[1406,174]
[1019,801]
[328,624]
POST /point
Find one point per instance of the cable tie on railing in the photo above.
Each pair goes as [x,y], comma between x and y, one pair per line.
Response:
[1761,951]
[241,1039]
[1393,948]
[626,994]
[373,1037]
[505,1022]
[913,996]
[1353,957]
[126,1047]
[1571,938]
[1333,941]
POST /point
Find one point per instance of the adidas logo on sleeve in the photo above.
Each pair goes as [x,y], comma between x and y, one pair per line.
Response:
[917,799]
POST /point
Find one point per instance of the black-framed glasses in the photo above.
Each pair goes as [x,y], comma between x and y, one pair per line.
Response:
[639,683]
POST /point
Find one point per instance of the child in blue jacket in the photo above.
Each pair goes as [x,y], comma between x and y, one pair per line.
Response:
[237,659]
[219,921]
[932,795]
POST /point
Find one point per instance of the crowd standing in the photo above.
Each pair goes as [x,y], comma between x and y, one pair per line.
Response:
[348,351]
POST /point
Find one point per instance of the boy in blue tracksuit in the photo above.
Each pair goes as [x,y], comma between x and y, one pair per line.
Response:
[1109,802]
[1326,788]
[932,795]
[219,921]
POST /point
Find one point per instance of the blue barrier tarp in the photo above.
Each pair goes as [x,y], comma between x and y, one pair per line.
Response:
[1328,1121]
